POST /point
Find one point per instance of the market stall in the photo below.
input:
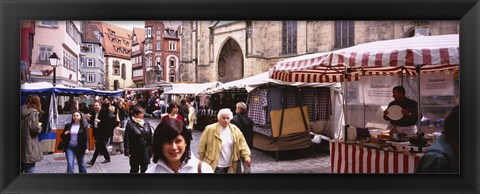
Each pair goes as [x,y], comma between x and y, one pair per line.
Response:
[53,122]
[286,114]
[405,58]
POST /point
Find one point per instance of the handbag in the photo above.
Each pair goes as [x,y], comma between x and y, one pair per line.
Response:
[199,167]
[61,145]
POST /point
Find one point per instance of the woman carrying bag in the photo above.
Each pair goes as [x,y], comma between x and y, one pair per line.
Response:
[75,138]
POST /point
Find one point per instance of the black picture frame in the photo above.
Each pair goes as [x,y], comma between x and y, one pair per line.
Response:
[12,12]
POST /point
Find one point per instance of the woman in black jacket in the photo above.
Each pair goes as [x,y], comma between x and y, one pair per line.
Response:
[75,138]
[138,141]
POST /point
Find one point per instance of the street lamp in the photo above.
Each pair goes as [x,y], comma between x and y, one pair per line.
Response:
[82,79]
[54,63]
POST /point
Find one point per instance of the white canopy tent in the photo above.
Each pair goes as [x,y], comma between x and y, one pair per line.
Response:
[194,89]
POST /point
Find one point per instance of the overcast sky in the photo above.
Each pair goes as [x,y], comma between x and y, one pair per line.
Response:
[129,25]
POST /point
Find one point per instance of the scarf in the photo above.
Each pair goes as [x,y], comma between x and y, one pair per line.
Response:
[139,121]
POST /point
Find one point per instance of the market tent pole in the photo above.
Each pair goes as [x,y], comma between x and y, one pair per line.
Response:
[345,102]
[417,70]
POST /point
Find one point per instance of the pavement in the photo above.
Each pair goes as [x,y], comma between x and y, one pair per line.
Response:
[296,161]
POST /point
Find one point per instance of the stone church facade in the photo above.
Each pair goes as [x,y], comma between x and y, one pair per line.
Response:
[230,50]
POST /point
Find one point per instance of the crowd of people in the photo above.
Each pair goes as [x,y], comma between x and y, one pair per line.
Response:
[224,146]
[121,124]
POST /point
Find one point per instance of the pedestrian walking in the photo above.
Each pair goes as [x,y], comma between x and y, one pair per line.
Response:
[30,129]
[117,140]
[122,113]
[100,132]
[222,145]
[171,150]
[75,137]
[138,141]
[173,113]
[245,125]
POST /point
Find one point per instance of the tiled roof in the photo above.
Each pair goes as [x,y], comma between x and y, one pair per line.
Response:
[117,41]
[88,36]
[170,33]
[140,36]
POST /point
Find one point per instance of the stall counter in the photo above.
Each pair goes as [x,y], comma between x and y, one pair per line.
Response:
[355,158]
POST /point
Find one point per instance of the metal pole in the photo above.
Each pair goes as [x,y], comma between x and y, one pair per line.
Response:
[346,107]
[417,69]
[54,76]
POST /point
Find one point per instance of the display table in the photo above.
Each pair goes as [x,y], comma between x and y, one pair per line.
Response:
[355,158]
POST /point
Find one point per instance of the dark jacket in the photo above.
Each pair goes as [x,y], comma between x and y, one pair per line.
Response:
[101,132]
[138,142]
[82,139]
[441,157]
[245,125]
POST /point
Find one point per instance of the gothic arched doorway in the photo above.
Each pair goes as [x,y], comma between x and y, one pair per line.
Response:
[230,62]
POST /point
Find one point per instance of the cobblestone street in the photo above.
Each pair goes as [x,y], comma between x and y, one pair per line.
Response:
[298,161]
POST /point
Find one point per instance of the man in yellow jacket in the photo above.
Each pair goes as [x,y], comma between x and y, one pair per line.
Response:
[222,145]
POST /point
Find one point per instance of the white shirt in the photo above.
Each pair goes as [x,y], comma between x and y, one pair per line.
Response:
[95,123]
[227,146]
[190,167]
[74,134]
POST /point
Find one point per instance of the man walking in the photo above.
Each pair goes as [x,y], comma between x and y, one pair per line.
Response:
[99,124]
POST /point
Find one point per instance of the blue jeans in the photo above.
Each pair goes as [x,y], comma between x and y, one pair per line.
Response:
[72,153]
[123,123]
[28,167]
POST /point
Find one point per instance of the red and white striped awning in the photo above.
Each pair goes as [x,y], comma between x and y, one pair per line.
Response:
[389,57]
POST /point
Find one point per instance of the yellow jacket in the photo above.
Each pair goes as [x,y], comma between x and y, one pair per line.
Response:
[210,146]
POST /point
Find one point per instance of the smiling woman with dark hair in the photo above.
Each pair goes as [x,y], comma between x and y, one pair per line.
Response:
[171,150]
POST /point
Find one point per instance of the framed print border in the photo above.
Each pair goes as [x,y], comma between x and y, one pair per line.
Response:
[13,11]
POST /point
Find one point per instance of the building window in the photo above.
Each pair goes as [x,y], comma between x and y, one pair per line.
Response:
[90,48]
[173,45]
[69,61]
[159,45]
[43,53]
[172,76]
[73,32]
[134,38]
[90,63]
[159,32]
[158,61]
[289,37]
[148,61]
[148,33]
[116,68]
[49,23]
[172,63]
[124,71]
[90,77]
[344,33]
